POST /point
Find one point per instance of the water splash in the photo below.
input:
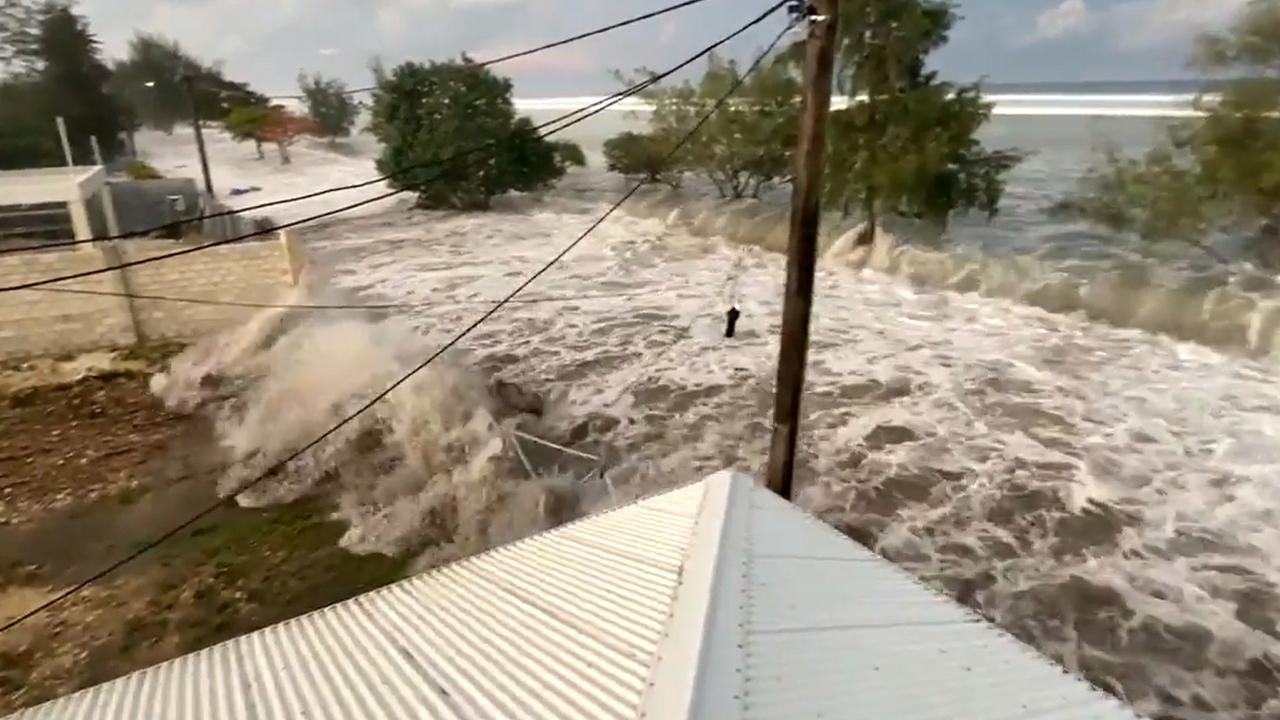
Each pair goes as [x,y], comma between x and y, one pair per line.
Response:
[428,469]
[1235,308]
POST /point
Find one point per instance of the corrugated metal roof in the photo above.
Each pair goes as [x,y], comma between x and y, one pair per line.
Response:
[714,601]
[832,630]
[563,624]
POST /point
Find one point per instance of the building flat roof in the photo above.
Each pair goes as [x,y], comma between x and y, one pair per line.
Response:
[717,600]
[52,184]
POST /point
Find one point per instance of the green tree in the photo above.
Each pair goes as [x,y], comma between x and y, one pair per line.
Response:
[27,134]
[19,29]
[249,123]
[529,162]
[641,155]
[330,106]
[28,137]
[151,81]
[424,114]
[745,148]
[1217,173]
[908,145]
[569,154]
[74,81]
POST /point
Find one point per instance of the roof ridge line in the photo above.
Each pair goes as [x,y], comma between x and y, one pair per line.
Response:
[696,671]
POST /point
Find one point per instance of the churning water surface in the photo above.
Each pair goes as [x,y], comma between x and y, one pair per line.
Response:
[1104,488]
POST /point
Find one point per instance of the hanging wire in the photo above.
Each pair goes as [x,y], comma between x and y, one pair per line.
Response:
[383,178]
[599,106]
[542,48]
[281,464]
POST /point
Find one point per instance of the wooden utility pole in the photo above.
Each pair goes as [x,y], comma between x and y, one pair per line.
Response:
[189,81]
[802,252]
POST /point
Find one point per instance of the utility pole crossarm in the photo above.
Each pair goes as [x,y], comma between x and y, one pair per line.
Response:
[806,207]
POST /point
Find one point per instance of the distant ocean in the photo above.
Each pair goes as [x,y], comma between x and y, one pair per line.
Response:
[1150,98]
[1027,254]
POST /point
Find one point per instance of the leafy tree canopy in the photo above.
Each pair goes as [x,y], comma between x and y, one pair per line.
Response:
[425,114]
[569,154]
[330,106]
[1219,172]
[60,74]
[150,79]
[908,143]
[745,147]
[249,123]
[640,155]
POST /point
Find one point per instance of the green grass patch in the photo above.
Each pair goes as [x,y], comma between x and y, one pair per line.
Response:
[251,568]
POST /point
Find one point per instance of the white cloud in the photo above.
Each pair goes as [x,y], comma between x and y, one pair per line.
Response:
[1134,25]
[1066,18]
[1140,24]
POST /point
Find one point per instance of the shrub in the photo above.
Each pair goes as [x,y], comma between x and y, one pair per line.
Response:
[745,146]
[139,170]
[568,154]
[641,156]
[330,106]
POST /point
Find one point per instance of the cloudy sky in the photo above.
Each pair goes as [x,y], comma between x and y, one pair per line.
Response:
[267,42]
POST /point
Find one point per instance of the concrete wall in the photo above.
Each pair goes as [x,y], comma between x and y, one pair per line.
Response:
[44,322]
[144,204]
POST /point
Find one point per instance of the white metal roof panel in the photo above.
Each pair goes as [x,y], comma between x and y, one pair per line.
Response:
[717,601]
[833,631]
[564,624]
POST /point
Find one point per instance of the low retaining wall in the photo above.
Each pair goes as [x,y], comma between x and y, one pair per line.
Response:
[50,321]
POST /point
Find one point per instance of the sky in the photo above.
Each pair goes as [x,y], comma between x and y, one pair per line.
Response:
[268,42]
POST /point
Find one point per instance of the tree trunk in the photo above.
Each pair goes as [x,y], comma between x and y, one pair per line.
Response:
[261,154]
[720,188]
[284,154]
[1267,244]
[867,237]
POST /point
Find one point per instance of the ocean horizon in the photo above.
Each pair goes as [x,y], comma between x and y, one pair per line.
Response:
[1145,98]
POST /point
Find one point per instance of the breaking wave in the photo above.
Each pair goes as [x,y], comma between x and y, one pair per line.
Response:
[1234,308]
[428,469]
[1106,494]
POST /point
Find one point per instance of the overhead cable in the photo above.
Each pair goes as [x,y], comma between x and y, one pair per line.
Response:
[598,107]
[280,465]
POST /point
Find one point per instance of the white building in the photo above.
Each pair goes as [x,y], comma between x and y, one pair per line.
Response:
[54,203]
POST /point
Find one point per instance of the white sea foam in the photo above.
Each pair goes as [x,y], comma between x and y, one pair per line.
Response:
[1048,104]
[1106,493]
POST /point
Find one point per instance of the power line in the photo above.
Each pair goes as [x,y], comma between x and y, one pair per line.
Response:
[549,46]
[591,110]
[568,118]
[720,103]
[602,106]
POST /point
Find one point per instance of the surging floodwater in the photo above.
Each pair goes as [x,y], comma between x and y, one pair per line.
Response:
[1108,494]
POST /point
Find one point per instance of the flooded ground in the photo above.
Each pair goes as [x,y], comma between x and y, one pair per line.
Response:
[92,468]
[1106,494]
